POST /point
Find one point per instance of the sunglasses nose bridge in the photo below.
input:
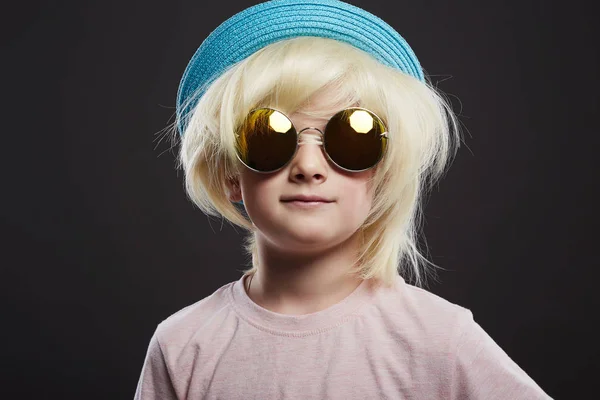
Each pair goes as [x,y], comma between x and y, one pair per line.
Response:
[310,139]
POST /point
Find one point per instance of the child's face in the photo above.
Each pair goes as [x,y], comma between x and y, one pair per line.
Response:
[293,226]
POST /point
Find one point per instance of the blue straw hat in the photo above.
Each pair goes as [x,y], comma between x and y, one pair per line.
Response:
[258,26]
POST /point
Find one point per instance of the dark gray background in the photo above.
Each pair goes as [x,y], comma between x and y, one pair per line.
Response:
[100,243]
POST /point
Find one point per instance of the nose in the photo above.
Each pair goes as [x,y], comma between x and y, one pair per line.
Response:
[309,163]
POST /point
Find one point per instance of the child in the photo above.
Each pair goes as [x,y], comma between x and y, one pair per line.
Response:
[310,124]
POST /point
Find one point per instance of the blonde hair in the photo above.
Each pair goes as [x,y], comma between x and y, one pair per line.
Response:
[423,131]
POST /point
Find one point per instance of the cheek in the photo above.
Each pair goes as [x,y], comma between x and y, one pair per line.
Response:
[357,198]
[259,194]
[254,195]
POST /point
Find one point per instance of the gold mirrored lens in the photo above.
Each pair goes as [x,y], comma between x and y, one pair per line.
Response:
[355,139]
[266,140]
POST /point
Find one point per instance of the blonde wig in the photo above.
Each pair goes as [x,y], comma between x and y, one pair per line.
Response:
[424,136]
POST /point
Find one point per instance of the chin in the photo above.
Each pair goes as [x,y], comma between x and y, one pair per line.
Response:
[312,238]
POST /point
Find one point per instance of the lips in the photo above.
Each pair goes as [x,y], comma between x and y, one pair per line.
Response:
[306,198]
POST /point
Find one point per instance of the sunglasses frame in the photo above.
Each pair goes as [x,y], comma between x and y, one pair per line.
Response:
[322,140]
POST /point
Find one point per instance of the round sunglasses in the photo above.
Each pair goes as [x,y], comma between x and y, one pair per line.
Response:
[355,139]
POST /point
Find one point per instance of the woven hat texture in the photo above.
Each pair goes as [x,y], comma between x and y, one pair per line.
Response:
[258,26]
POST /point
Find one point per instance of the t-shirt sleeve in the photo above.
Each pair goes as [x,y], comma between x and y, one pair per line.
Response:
[155,380]
[482,370]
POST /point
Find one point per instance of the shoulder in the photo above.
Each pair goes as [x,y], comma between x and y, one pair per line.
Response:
[202,316]
[419,303]
[421,317]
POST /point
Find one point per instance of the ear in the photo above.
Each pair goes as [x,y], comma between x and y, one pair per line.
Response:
[233,191]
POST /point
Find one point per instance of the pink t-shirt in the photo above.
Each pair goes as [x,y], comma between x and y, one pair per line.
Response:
[378,343]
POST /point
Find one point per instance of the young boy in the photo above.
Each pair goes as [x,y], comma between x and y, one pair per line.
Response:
[311,125]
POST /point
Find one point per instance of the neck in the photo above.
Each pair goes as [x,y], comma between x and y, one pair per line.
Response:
[303,283]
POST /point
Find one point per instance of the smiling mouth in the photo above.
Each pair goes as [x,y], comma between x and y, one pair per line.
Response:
[306,204]
[305,201]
